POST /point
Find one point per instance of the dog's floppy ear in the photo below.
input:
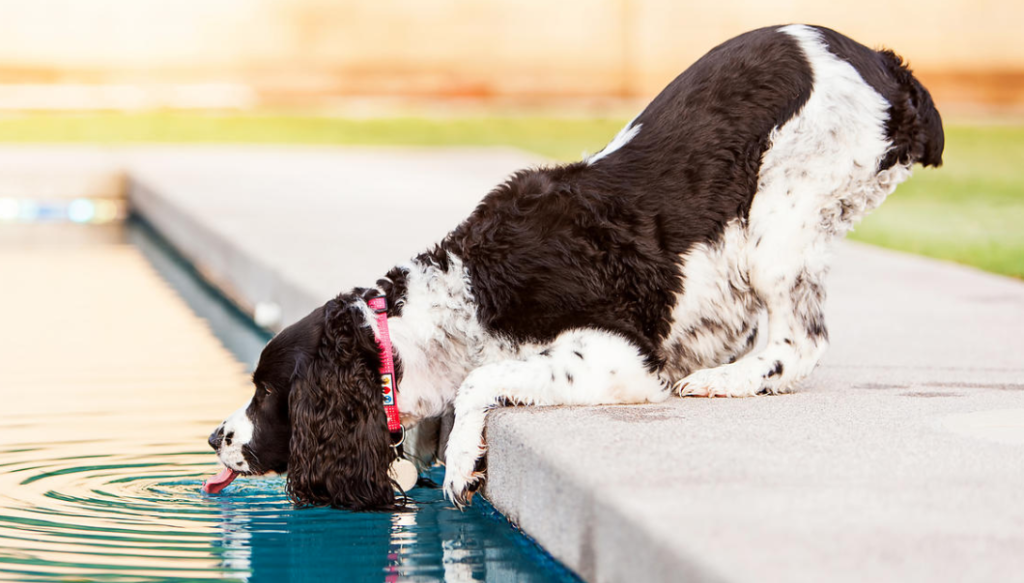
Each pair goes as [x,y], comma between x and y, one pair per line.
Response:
[340,444]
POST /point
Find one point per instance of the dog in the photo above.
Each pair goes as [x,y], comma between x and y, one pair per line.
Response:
[637,272]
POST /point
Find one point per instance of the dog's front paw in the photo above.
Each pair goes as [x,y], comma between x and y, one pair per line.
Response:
[463,465]
[724,381]
[459,486]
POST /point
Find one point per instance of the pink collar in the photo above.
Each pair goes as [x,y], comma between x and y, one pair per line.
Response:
[389,384]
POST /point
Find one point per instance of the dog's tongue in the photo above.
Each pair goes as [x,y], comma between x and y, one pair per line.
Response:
[220,481]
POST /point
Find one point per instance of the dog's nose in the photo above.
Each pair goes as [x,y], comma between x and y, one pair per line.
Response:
[216,437]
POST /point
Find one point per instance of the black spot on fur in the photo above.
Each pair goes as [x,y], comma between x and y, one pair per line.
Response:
[578,354]
[751,338]
[481,465]
[568,377]
[776,369]
[545,352]
[712,326]
[437,256]
[815,326]
[395,287]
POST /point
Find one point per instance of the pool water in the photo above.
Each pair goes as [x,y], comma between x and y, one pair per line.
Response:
[118,362]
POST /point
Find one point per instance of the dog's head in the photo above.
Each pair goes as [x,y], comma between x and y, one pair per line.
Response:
[317,413]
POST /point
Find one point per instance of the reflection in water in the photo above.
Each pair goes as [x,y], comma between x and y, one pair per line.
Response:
[143,516]
[432,541]
[110,384]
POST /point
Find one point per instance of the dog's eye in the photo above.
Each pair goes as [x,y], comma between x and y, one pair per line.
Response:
[267,390]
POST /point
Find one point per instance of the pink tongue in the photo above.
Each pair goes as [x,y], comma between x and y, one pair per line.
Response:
[220,481]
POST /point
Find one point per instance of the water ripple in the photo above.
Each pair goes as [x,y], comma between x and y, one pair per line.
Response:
[141,516]
[108,393]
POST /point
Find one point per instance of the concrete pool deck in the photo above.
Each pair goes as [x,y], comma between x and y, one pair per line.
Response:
[901,458]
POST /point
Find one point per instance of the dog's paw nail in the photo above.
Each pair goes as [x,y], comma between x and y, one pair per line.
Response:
[460,491]
[453,494]
[688,389]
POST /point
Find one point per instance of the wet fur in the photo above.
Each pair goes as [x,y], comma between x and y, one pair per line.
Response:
[340,446]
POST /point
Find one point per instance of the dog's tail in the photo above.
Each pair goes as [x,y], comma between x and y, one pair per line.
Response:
[914,123]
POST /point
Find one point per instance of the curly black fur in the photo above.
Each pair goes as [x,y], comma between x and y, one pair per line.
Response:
[340,444]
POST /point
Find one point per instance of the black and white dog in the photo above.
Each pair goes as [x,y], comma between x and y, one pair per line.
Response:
[637,272]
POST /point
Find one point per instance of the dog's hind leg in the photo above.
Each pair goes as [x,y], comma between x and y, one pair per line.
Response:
[787,251]
[797,337]
[581,367]
[820,174]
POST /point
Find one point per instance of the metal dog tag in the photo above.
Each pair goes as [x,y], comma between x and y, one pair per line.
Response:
[404,473]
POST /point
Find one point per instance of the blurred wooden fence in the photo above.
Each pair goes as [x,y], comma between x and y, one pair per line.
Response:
[295,50]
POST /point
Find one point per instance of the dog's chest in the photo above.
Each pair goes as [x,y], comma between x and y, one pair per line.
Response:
[714,319]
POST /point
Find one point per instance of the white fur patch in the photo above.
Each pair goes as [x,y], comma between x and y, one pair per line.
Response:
[238,429]
[622,138]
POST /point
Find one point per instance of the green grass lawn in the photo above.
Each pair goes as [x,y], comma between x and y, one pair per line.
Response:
[970,211]
[557,138]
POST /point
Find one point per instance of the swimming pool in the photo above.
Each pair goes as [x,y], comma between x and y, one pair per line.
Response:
[118,361]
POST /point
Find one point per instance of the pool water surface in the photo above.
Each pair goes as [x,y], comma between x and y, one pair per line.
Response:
[117,362]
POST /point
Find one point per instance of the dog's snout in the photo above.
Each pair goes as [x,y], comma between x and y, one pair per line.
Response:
[216,437]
